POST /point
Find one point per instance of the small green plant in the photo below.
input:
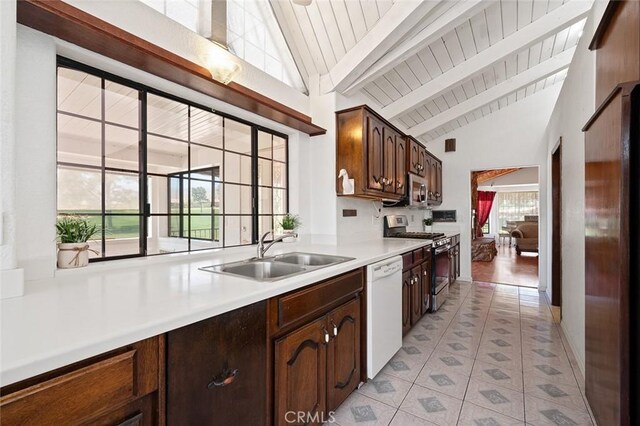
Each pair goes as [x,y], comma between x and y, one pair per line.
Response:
[290,222]
[75,229]
[427,222]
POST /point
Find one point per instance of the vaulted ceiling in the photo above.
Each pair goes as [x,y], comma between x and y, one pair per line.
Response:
[434,66]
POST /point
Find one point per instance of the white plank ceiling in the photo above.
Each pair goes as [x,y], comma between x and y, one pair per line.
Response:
[490,45]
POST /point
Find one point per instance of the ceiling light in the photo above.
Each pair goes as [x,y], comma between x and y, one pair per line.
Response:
[302,2]
[221,64]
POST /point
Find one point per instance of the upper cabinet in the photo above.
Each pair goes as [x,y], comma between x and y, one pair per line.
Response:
[368,148]
[377,156]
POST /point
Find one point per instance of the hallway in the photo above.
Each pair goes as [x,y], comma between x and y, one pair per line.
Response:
[490,356]
[508,268]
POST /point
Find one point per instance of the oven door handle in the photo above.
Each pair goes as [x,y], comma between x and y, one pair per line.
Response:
[442,249]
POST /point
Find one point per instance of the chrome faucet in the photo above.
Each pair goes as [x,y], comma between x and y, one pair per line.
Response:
[261,247]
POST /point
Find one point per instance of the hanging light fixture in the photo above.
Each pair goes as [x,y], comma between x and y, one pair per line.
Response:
[221,64]
[302,2]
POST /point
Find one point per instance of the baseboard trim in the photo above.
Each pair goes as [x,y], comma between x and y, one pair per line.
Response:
[11,283]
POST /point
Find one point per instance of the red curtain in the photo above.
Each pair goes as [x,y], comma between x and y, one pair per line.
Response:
[485,202]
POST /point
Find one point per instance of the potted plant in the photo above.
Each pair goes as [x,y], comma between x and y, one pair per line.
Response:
[73,233]
[427,224]
[289,223]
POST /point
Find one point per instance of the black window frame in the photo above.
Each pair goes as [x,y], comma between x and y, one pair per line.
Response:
[143,175]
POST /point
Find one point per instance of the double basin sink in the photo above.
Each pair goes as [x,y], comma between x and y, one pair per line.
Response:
[278,267]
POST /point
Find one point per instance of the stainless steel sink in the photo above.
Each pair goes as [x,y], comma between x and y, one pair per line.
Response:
[310,259]
[278,267]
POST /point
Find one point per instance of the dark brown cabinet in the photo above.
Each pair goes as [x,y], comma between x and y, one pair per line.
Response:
[401,166]
[375,150]
[407,280]
[120,387]
[417,158]
[434,180]
[343,354]
[216,369]
[416,286]
[301,371]
[317,337]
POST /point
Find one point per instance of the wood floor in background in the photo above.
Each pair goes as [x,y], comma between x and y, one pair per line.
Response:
[508,268]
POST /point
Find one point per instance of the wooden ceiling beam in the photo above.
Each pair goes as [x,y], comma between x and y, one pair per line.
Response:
[61,20]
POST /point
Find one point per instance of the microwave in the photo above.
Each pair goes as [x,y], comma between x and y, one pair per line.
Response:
[417,196]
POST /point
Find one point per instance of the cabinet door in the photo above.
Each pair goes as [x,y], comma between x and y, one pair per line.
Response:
[216,369]
[301,375]
[401,166]
[414,157]
[422,161]
[406,302]
[438,194]
[426,286]
[433,179]
[375,154]
[343,352]
[390,136]
[416,295]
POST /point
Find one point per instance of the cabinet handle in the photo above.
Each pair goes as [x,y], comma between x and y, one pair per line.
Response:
[437,195]
[326,335]
[229,376]
[424,273]
[335,328]
[389,182]
[400,185]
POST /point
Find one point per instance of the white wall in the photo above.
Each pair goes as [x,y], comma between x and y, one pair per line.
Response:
[575,105]
[511,137]
[11,278]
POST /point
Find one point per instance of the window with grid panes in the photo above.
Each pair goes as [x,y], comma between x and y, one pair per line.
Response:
[138,162]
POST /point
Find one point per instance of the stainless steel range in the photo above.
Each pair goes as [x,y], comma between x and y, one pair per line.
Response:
[395,226]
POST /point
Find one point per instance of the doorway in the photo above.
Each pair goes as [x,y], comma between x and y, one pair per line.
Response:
[556,241]
[505,226]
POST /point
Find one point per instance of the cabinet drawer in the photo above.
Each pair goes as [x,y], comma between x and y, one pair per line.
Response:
[70,398]
[309,302]
[407,260]
[417,256]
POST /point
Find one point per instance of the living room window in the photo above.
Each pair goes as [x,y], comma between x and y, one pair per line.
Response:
[159,174]
[514,206]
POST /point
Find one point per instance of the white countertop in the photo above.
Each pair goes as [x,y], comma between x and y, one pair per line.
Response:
[83,313]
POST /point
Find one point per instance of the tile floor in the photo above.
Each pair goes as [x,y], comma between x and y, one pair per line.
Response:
[491,356]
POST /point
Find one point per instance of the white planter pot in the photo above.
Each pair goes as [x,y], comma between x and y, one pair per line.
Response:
[73,255]
[289,239]
[427,228]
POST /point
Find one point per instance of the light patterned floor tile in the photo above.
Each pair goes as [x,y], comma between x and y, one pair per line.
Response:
[474,415]
[510,360]
[445,380]
[540,412]
[359,410]
[403,367]
[559,393]
[550,372]
[442,360]
[500,376]
[497,398]
[432,406]
[457,347]
[386,389]
[405,419]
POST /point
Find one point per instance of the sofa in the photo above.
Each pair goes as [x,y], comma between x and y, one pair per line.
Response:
[526,235]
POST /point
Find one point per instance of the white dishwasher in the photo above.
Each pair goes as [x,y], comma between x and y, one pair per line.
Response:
[384,313]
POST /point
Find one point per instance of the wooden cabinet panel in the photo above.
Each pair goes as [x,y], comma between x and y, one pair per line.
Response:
[343,364]
[301,372]
[314,300]
[375,153]
[83,391]
[216,369]
[401,166]
[141,412]
[416,294]
[426,286]
[406,302]
[438,194]
[413,160]
[389,160]
[422,161]
[433,179]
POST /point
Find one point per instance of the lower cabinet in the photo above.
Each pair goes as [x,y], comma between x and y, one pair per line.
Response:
[416,287]
[318,359]
[121,387]
[216,369]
